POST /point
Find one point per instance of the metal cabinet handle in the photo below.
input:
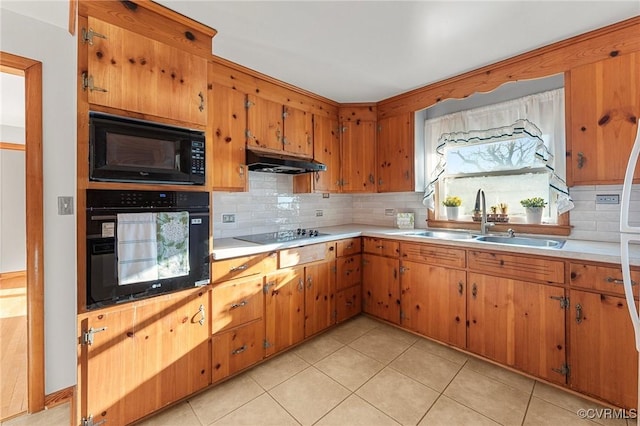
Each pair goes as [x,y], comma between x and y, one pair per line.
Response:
[309,282]
[239,305]
[371,178]
[349,247]
[300,284]
[203,316]
[474,290]
[581,160]
[201,106]
[460,288]
[578,313]
[618,281]
[379,247]
[239,350]
[239,268]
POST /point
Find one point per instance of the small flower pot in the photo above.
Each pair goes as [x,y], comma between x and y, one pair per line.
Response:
[452,212]
[534,214]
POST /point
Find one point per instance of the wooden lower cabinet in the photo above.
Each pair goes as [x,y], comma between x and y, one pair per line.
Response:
[348,303]
[517,323]
[284,309]
[319,299]
[237,349]
[381,287]
[143,356]
[603,358]
[433,301]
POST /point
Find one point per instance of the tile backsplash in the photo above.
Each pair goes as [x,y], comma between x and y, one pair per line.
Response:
[270,205]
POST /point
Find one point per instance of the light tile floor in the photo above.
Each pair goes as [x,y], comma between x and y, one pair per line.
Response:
[365,372]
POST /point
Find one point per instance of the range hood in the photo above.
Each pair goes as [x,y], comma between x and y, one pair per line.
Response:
[258,161]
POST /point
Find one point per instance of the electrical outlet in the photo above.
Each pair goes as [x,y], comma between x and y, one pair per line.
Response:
[325,195]
[65,205]
[228,218]
[389,212]
[607,199]
[319,213]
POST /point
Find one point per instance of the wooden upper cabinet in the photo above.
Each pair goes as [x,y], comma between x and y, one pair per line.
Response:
[603,106]
[358,156]
[298,132]
[226,139]
[395,154]
[130,72]
[326,150]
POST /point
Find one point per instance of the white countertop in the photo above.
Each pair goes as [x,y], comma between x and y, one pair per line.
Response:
[226,248]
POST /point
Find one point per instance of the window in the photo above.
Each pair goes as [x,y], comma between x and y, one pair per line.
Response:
[502,150]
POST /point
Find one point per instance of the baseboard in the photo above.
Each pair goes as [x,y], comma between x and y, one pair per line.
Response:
[59,397]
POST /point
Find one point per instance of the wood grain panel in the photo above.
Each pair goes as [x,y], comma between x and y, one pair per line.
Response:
[381,246]
[348,303]
[306,254]
[237,349]
[319,305]
[284,309]
[348,271]
[264,124]
[506,265]
[381,287]
[439,255]
[601,278]
[236,302]
[358,156]
[358,112]
[238,267]
[298,132]
[348,247]
[395,154]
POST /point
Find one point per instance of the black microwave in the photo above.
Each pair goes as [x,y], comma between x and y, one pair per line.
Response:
[128,150]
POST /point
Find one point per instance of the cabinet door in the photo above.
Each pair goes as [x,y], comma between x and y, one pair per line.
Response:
[298,132]
[358,156]
[604,106]
[237,349]
[381,287]
[395,157]
[146,76]
[236,302]
[101,390]
[264,124]
[228,118]
[348,303]
[320,281]
[284,309]
[603,358]
[433,302]
[326,150]
[348,271]
[539,334]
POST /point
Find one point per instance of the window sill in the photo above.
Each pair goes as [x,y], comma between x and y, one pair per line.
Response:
[523,228]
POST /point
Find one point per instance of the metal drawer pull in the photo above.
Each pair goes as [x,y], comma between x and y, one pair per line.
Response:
[203,316]
[578,313]
[474,290]
[350,246]
[309,282]
[240,268]
[379,247]
[618,281]
[239,350]
[460,287]
[239,305]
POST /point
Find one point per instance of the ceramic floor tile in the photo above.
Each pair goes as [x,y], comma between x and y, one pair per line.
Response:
[181,414]
[572,403]
[503,375]
[397,334]
[500,402]
[447,412]
[398,396]
[263,411]
[349,367]
[59,415]
[318,348]
[379,345]
[356,412]
[426,368]
[275,371]
[222,399]
[543,413]
[309,395]
[443,351]
[350,330]
[365,322]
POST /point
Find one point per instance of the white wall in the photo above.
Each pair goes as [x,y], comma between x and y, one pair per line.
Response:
[56,49]
[13,233]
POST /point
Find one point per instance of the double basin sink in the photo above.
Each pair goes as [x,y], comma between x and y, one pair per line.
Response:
[513,241]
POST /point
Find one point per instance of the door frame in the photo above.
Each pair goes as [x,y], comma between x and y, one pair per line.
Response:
[32,72]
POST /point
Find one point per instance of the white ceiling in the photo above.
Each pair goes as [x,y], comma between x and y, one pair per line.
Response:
[363,51]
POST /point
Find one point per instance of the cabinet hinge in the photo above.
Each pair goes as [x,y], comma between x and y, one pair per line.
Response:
[565,370]
[248,104]
[285,114]
[266,344]
[248,134]
[343,129]
[402,316]
[87,36]
[88,421]
[403,269]
[564,301]
[265,288]
[87,83]
[87,336]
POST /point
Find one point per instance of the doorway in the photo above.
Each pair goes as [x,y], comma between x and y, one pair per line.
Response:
[22,273]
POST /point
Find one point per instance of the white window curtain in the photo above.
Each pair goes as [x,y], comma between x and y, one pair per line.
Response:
[544,110]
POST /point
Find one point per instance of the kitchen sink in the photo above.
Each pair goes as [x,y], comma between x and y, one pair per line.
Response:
[521,241]
[445,235]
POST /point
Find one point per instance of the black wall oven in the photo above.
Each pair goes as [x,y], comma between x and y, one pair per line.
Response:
[127,260]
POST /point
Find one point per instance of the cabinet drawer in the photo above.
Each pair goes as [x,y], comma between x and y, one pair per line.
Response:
[245,266]
[601,278]
[427,253]
[236,302]
[381,246]
[348,303]
[307,254]
[349,246]
[349,271]
[237,349]
[518,267]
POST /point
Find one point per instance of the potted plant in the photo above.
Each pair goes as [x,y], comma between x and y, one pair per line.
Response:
[533,208]
[452,203]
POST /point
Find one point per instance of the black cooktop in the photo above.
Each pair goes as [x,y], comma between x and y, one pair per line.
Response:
[281,236]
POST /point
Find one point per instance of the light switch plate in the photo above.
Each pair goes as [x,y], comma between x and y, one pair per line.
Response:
[65,205]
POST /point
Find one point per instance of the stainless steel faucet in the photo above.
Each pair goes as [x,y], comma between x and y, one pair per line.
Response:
[483,203]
